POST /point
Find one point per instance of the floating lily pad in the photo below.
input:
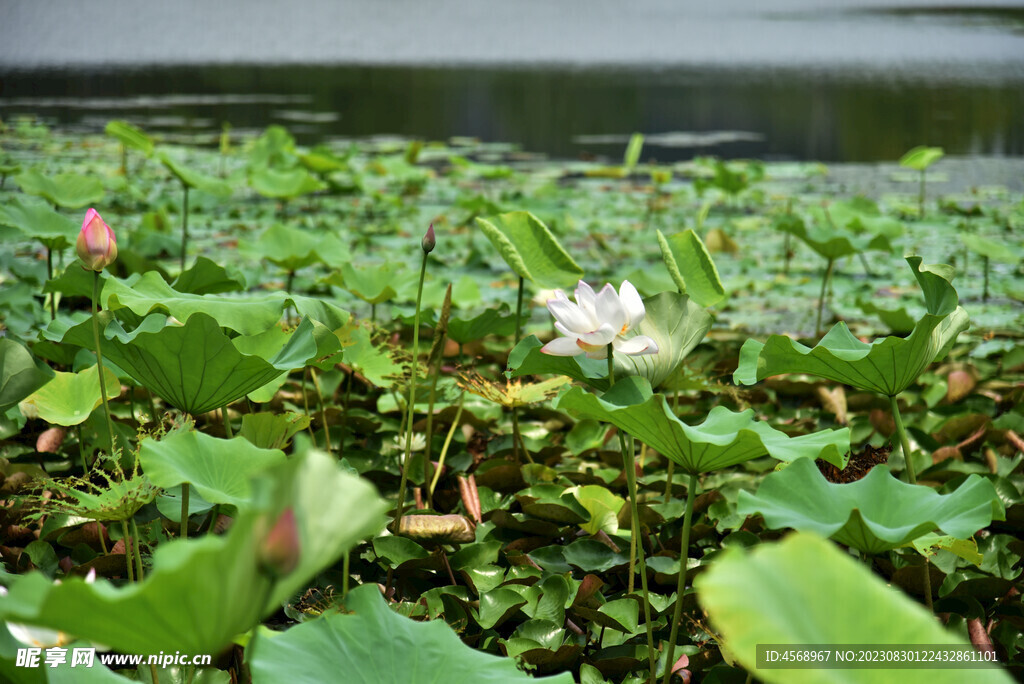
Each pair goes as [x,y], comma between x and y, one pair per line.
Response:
[68,190]
[292,249]
[786,594]
[874,514]
[39,221]
[530,249]
[69,398]
[723,439]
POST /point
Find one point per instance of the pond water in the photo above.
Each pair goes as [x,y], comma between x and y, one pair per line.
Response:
[840,81]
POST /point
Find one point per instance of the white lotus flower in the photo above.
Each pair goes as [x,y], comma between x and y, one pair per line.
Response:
[597,320]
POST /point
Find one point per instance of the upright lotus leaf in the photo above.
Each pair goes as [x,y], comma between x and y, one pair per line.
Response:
[786,594]
[723,439]
[38,220]
[888,365]
[530,249]
[69,398]
[831,242]
[67,190]
[489,322]
[691,267]
[873,514]
[130,136]
[674,321]
[284,183]
[221,470]
[373,284]
[246,315]
[208,277]
[20,373]
[194,366]
[202,593]
[921,157]
[375,645]
[292,249]
[192,178]
[1001,251]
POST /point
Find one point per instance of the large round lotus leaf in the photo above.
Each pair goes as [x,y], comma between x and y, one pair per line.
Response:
[202,593]
[806,591]
[292,249]
[68,190]
[371,644]
[691,267]
[284,184]
[887,365]
[529,249]
[194,179]
[221,470]
[195,366]
[874,514]
[723,439]
[69,398]
[20,373]
[373,284]
[37,220]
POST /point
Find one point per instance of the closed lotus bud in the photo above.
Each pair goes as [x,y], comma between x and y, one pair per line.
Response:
[96,245]
[279,552]
[429,240]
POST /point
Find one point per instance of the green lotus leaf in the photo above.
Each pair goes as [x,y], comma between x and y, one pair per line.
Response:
[897,320]
[874,514]
[691,267]
[921,157]
[786,594]
[530,250]
[202,593]
[272,430]
[603,507]
[221,470]
[377,646]
[69,398]
[246,315]
[1003,252]
[828,240]
[373,284]
[488,322]
[20,373]
[37,220]
[68,190]
[888,365]
[526,358]
[723,439]
[207,277]
[284,184]
[292,249]
[130,136]
[192,178]
[195,366]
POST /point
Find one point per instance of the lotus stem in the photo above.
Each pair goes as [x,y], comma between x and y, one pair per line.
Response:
[519,310]
[928,586]
[305,407]
[137,551]
[184,224]
[49,276]
[99,356]
[323,408]
[412,395]
[984,292]
[447,443]
[821,298]
[671,464]
[636,547]
[154,674]
[103,541]
[345,565]
[920,197]
[904,442]
[427,475]
[684,554]
[228,432]
[184,510]
[127,551]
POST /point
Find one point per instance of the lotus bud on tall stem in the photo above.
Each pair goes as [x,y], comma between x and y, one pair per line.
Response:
[97,248]
[427,245]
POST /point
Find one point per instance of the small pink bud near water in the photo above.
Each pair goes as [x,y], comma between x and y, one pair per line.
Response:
[279,552]
[97,247]
[429,240]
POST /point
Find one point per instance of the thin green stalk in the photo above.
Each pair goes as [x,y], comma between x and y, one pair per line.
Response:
[984,292]
[127,551]
[519,310]
[904,442]
[153,673]
[928,586]
[184,224]
[305,406]
[636,547]
[821,298]
[684,554]
[671,464]
[447,443]
[99,356]
[228,431]
[345,565]
[103,541]
[138,551]
[49,276]
[343,423]
[427,475]
[412,396]
[323,408]
[184,510]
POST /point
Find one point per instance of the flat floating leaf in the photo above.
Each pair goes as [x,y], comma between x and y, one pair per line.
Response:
[374,645]
[69,398]
[691,267]
[530,249]
[786,593]
[39,221]
[888,365]
[873,514]
[68,190]
[723,439]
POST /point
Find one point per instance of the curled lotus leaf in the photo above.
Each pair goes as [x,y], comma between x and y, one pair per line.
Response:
[873,514]
[888,365]
[723,439]
[530,249]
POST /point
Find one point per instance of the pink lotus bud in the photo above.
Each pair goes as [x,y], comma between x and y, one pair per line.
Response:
[96,246]
[279,552]
[429,240]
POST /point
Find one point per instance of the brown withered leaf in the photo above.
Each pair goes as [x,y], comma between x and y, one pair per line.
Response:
[438,529]
[834,401]
[49,440]
[859,465]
